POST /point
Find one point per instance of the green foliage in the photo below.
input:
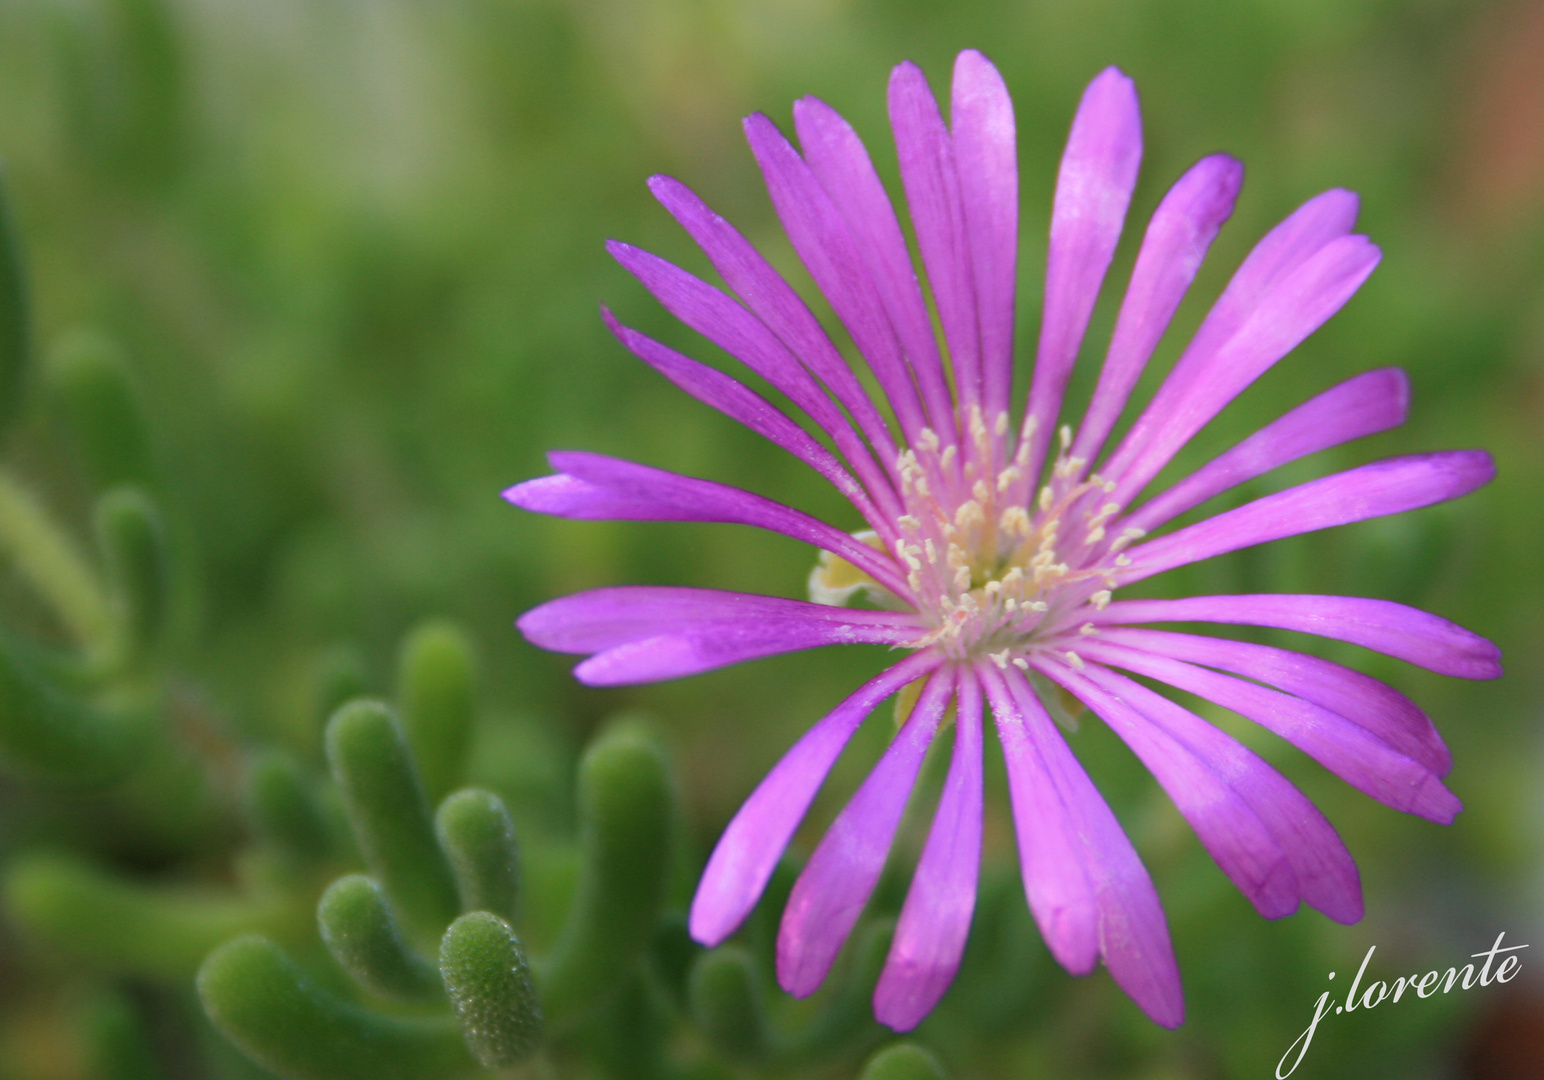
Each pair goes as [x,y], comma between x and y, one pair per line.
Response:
[15,317]
[902,1061]
[489,982]
[436,694]
[362,935]
[479,840]
[132,539]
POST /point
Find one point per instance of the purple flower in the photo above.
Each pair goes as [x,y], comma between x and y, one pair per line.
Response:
[994,562]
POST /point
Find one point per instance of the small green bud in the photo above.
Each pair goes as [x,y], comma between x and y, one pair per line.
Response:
[374,770]
[479,840]
[490,989]
[358,929]
[283,809]
[436,690]
[626,812]
[133,544]
[258,998]
[89,376]
[727,1004]
[902,1061]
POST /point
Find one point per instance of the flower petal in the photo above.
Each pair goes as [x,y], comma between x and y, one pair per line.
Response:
[746,854]
[1093,190]
[1334,742]
[935,920]
[1398,630]
[714,388]
[1380,710]
[1326,874]
[593,487]
[775,303]
[1232,833]
[1087,888]
[830,893]
[1371,402]
[828,250]
[1376,490]
[926,157]
[986,160]
[1182,229]
[836,156]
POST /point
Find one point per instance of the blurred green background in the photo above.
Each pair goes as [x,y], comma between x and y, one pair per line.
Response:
[353,250]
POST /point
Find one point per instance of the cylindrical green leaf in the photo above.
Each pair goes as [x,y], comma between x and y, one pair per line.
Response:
[436,689]
[479,840]
[259,999]
[159,931]
[490,988]
[626,807]
[133,542]
[15,316]
[113,1041]
[46,729]
[727,1004]
[89,377]
[374,770]
[360,932]
[284,810]
[902,1061]
[848,1018]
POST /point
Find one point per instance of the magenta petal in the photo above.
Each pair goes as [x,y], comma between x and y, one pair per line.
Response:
[1133,936]
[1408,633]
[1380,710]
[1297,306]
[1373,401]
[841,164]
[739,403]
[1232,833]
[937,214]
[830,893]
[828,250]
[986,159]
[1093,190]
[600,619]
[748,851]
[1182,229]
[1334,742]
[603,488]
[1326,874]
[1384,487]
[935,920]
[775,303]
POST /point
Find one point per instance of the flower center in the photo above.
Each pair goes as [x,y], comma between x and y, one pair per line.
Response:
[992,573]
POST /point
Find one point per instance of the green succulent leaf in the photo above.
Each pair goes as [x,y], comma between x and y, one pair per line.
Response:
[132,538]
[436,693]
[479,840]
[902,1061]
[359,930]
[490,988]
[727,1004]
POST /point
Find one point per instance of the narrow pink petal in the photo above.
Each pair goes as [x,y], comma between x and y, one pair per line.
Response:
[1334,742]
[745,337]
[830,893]
[600,488]
[1093,190]
[1052,852]
[778,307]
[986,160]
[1382,711]
[1133,934]
[1326,873]
[1371,402]
[1302,302]
[836,156]
[1283,250]
[1242,845]
[714,388]
[1397,630]
[935,920]
[932,185]
[600,619]
[748,851]
[1376,490]
[1177,239]
[828,250]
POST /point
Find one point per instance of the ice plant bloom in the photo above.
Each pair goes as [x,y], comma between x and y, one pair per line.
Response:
[993,552]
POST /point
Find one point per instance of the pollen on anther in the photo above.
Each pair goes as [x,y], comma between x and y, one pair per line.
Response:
[1000,659]
[1100,599]
[1021,663]
[1074,659]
